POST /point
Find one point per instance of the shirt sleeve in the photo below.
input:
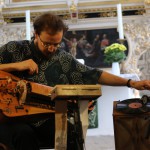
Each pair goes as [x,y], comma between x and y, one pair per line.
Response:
[4,55]
[7,52]
[82,74]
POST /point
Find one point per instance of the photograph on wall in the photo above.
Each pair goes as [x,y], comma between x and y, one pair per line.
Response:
[90,45]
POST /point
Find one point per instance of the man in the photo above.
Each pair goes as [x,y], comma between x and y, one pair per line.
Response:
[43,61]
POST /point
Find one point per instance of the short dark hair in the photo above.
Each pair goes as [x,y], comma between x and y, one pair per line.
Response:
[50,23]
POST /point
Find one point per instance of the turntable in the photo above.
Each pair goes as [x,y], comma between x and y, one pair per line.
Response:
[131,120]
[134,105]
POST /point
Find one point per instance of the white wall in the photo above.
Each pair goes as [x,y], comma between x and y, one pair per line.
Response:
[105,108]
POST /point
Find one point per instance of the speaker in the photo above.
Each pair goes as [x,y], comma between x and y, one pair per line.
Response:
[131,131]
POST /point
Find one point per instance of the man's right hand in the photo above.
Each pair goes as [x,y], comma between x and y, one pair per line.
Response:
[29,65]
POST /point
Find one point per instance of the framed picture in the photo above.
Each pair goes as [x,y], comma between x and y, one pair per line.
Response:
[90,45]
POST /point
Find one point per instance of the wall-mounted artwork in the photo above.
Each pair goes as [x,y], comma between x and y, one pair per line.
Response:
[90,44]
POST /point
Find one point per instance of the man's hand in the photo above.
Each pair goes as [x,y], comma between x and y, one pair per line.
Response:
[113,80]
[140,85]
[29,65]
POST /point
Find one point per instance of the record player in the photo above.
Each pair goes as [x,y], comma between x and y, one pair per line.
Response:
[134,105]
[131,118]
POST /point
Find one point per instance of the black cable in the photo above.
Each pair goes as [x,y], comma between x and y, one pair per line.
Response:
[78,132]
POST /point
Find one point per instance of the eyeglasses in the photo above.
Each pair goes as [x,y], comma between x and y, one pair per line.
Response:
[47,45]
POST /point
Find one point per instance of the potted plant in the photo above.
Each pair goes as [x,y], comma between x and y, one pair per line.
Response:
[114,54]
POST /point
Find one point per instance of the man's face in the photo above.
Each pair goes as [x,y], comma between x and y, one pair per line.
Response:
[48,43]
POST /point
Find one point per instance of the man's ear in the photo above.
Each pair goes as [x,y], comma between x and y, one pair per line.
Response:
[35,34]
[35,37]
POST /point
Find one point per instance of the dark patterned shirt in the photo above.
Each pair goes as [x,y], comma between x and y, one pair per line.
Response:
[60,68]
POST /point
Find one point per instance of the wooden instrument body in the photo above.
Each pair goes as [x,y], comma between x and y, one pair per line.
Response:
[21,98]
[16,93]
